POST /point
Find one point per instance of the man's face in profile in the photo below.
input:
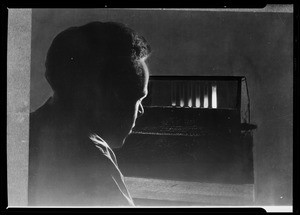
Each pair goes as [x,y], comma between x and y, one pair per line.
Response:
[130,107]
[123,102]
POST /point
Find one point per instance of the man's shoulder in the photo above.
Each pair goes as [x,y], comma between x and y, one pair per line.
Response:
[102,150]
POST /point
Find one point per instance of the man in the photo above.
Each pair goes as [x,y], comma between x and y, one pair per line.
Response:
[99,77]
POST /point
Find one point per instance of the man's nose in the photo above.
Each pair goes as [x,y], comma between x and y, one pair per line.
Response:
[141,110]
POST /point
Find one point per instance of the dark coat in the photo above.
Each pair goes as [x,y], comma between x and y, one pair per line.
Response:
[67,168]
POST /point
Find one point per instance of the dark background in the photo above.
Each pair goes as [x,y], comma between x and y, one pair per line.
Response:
[256,45]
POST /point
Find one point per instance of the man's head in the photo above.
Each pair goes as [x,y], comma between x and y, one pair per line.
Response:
[98,70]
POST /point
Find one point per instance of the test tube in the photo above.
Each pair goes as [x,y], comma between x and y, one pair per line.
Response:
[197,89]
[205,100]
[214,95]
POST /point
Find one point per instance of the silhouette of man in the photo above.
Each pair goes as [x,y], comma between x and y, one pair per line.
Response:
[99,77]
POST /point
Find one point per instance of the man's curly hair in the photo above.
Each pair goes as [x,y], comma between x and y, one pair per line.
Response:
[92,51]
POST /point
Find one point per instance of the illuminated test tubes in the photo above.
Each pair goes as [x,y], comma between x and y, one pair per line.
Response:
[214,96]
[205,100]
[181,95]
[190,95]
[173,93]
[198,103]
